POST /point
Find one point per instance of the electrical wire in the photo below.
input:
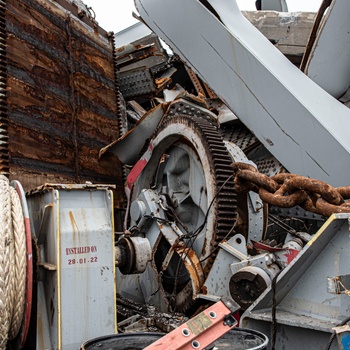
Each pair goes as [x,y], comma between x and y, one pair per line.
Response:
[273,312]
[193,236]
[331,338]
[282,225]
[217,247]
[200,228]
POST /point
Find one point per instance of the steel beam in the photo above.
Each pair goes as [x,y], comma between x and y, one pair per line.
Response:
[304,127]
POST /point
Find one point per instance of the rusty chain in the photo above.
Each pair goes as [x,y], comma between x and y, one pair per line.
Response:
[289,190]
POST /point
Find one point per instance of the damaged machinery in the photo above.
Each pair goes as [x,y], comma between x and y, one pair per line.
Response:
[214,188]
[202,184]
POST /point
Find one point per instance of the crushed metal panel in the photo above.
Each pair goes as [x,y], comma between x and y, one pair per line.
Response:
[132,33]
[61,96]
[139,63]
[154,53]
[129,146]
[138,82]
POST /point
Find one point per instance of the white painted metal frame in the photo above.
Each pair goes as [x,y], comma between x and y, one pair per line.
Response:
[74,228]
[304,127]
[328,63]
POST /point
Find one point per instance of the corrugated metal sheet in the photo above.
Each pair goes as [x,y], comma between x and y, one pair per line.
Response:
[61,95]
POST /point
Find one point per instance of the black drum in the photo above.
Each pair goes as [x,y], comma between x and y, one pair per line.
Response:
[242,339]
[235,339]
[127,341]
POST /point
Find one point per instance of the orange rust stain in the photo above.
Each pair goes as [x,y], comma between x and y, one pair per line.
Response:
[75,228]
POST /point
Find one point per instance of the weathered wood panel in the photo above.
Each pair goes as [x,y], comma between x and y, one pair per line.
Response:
[61,96]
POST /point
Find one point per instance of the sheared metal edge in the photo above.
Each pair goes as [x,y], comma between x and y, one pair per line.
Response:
[282,116]
[128,147]
[69,187]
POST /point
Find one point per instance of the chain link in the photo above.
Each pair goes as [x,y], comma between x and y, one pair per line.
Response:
[289,190]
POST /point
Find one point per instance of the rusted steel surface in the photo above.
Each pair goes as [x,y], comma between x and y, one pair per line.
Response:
[289,190]
[324,6]
[133,53]
[4,153]
[196,82]
[147,50]
[61,96]
[193,266]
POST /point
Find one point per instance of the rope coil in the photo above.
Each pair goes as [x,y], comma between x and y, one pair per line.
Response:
[12,263]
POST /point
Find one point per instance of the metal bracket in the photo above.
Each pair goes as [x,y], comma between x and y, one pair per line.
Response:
[343,336]
[338,285]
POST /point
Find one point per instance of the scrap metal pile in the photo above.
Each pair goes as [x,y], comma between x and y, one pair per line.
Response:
[223,216]
[234,151]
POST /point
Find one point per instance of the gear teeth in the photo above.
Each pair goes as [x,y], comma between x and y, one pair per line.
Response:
[119,103]
[121,113]
[226,202]
[4,144]
[223,211]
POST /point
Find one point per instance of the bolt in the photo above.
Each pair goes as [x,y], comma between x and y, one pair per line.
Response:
[195,344]
[212,314]
[186,332]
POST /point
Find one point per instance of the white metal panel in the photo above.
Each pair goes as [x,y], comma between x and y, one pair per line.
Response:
[329,61]
[274,5]
[304,127]
[131,34]
[77,265]
[87,266]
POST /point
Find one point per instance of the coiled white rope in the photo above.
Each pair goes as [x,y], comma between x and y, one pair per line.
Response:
[12,263]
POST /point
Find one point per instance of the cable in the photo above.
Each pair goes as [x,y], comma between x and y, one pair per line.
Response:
[157,218]
[217,247]
[193,236]
[282,225]
[200,228]
[334,333]
[273,312]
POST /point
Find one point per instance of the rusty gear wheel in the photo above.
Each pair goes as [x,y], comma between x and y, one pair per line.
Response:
[197,178]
